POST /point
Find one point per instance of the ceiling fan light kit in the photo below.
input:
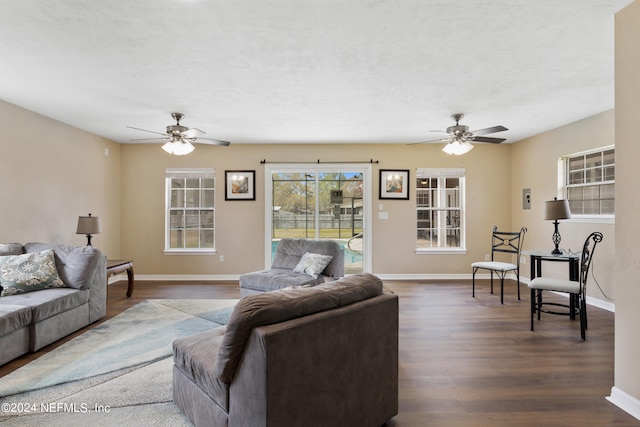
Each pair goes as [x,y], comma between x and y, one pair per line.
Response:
[180,139]
[457,147]
[178,148]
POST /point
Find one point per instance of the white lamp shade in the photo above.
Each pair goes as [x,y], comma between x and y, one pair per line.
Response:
[88,225]
[557,209]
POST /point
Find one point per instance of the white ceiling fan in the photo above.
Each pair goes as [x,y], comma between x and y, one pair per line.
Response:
[180,139]
[459,137]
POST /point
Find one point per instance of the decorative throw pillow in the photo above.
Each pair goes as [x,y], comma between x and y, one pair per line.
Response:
[312,264]
[28,272]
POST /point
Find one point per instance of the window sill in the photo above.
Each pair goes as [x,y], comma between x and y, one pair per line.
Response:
[441,251]
[190,251]
[592,219]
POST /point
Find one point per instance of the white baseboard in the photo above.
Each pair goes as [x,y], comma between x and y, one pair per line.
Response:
[624,401]
[234,277]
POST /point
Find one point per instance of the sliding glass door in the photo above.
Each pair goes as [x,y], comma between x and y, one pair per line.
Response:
[320,201]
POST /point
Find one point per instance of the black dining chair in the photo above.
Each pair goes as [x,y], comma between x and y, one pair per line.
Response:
[577,290]
[509,242]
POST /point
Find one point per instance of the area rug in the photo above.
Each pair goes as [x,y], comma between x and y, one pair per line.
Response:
[118,373]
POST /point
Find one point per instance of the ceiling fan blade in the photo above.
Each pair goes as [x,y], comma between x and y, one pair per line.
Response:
[488,139]
[210,141]
[193,132]
[445,139]
[489,130]
[150,139]
[145,130]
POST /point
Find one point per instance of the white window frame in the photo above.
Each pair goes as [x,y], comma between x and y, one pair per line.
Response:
[186,173]
[441,174]
[563,187]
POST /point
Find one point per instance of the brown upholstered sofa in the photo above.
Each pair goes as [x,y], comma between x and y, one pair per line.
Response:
[304,356]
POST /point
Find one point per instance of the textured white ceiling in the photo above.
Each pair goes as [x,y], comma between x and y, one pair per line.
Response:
[253,71]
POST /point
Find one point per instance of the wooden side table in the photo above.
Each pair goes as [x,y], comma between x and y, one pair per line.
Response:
[115,266]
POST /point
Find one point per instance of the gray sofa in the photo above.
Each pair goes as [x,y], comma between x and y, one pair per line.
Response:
[32,320]
[303,356]
[287,257]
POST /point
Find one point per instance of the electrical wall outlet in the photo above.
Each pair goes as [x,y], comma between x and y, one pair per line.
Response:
[221,258]
[523,259]
[487,257]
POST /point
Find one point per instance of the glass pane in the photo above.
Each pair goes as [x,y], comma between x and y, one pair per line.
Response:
[426,239]
[192,219]
[576,163]
[591,192]
[593,160]
[176,239]
[192,198]
[608,191]
[425,219]
[609,157]
[607,207]
[206,238]
[206,219]
[208,183]
[576,177]
[177,182]
[176,219]
[192,182]
[609,173]
[574,193]
[591,207]
[208,198]
[191,238]
[177,198]
[575,206]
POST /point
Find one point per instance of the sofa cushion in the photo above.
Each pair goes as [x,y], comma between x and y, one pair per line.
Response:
[48,302]
[11,249]
[28,272]
[13,317]
[312,264]
[75,264]
[277,278]
[194,356]
[274,307]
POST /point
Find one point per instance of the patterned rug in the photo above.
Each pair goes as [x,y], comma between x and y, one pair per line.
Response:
[118,373]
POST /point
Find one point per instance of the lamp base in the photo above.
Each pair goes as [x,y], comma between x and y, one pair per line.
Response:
[556,251]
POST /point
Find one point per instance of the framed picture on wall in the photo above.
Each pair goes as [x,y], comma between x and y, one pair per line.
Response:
[239,185]
[394,184]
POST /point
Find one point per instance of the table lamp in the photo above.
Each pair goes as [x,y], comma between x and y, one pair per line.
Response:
[88,225]
[554,210]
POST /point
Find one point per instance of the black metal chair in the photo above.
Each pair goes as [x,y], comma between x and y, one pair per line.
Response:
[577,290]
[501,242]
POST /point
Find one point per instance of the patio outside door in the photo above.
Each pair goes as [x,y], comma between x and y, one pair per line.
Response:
[320,202]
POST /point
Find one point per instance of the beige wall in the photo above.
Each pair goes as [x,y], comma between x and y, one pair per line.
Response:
[52,173]
[627,263]
[535,166]
[240,225]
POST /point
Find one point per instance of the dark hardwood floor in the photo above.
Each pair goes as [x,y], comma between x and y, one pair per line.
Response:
[466,361]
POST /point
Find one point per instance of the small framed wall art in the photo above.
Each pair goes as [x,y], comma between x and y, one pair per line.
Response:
[239,185]
[394,184]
